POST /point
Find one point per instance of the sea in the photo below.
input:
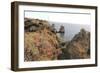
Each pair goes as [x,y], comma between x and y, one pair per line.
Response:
[71,29]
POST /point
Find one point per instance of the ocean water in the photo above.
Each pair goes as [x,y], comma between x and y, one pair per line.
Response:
[71,29]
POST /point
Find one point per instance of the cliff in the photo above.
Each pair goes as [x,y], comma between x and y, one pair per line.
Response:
[40,42]
[79,46]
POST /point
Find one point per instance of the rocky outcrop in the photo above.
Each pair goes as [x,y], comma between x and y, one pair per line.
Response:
[35,24]
[40,42]
[79,46]
[62,29]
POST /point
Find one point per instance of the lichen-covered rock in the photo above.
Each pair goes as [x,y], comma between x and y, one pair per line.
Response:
[41,44]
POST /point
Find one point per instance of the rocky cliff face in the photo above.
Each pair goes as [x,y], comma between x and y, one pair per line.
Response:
[79,46]
[40,42]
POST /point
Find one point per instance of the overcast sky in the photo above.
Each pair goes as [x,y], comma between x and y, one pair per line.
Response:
[60,17]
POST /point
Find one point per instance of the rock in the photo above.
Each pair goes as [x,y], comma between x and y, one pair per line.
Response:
[62,29]
[79,46]
[53,28]
[41,43]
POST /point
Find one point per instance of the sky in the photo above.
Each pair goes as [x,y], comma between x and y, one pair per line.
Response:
[74,18]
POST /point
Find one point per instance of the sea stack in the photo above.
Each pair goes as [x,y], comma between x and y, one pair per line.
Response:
[62,29]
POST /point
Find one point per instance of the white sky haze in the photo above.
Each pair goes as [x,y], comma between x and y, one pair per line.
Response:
[60,17]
